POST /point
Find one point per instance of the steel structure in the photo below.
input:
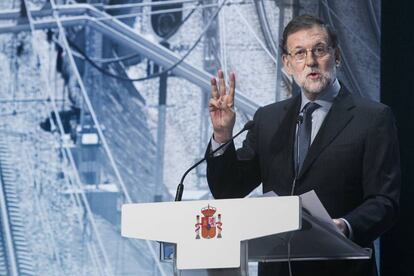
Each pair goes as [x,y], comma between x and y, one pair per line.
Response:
[84,14]
[15,259]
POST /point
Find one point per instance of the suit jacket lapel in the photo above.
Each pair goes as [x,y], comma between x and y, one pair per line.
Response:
[335,121]
[283,138]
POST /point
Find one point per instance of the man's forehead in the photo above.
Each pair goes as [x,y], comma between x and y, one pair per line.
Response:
[307,37]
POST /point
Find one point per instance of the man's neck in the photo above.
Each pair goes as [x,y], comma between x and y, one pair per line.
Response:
[330,91]
[310,96]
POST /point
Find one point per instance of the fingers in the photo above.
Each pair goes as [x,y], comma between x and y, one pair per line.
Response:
[214,90]
[222,83]
[232,88]
[213,105]
[219,90]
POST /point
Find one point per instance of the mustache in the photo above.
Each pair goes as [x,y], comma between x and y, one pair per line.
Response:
[308,71]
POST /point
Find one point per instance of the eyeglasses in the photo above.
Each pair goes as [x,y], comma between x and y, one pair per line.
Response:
[318,51]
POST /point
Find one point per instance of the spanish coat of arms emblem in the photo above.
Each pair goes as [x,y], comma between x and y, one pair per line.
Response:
[210,225]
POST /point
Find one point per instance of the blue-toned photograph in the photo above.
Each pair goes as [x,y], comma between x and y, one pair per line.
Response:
[206,137]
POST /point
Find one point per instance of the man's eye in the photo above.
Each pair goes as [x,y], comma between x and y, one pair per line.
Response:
[320,50]
[300,52]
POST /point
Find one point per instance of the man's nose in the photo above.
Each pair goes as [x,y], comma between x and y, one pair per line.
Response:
[310,59]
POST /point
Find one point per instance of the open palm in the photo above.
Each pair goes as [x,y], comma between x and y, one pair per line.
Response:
[221,107]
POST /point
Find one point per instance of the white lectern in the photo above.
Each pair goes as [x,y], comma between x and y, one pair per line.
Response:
[218,237]
[208,233]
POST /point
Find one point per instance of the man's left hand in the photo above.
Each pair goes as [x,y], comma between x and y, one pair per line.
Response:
[341,226]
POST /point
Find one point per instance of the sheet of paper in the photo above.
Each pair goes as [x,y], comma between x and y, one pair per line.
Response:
[268,194]
[313,205]
[318,231]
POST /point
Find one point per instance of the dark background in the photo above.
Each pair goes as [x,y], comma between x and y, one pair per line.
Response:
[397,91]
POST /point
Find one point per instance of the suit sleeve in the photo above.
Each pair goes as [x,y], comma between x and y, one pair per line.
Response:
[380,181]
[235,173]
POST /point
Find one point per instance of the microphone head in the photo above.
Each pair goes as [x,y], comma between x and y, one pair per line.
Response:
[299,120]
[248,125]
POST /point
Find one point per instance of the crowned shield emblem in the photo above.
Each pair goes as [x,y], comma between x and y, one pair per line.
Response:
[210,225]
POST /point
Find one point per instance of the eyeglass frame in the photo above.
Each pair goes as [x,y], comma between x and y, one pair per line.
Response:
[327,47]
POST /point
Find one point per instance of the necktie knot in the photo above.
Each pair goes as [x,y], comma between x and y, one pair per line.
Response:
[309,108]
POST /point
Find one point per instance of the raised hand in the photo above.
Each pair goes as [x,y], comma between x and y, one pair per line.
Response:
[221,107]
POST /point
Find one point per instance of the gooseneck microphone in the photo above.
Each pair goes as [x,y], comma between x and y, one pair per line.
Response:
[299,121]
[180,188]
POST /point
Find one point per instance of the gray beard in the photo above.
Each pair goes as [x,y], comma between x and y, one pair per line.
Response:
[326,79]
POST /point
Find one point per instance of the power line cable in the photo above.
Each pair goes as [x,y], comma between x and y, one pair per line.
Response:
[152,4]
[106,72]
[159,3]
[169,35]
[172,32]
[128,15]
[127,57]
[99,60]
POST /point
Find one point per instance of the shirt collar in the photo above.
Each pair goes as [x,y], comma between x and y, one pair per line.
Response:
[326,97]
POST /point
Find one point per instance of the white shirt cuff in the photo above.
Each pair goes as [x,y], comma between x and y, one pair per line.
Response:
[350,232]
[215,145]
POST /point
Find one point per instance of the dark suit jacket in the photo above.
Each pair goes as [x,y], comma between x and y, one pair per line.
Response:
[352,164]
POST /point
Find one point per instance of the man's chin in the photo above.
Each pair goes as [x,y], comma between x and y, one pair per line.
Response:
[314,89]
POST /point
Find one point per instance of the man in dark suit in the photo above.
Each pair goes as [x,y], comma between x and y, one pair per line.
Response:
[325,139]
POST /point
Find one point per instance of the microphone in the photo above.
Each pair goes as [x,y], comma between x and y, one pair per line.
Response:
[299,120]
[180,188]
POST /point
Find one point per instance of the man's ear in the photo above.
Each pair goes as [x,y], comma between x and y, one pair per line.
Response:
[337,56]
[287,65]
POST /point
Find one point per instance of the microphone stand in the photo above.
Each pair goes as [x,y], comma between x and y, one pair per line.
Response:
[180,187]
